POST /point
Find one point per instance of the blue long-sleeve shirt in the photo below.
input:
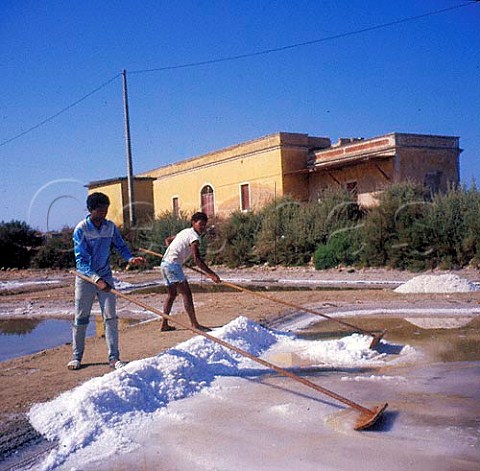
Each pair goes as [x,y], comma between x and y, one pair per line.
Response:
[92,247]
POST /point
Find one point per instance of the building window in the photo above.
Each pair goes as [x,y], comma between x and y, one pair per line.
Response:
[175,206]
[245,197]
[208,201]
[352,188]
[432,181]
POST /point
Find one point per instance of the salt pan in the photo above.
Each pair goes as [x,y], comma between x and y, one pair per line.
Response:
[99,413]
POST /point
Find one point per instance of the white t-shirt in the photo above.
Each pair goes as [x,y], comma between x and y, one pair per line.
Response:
[179,250]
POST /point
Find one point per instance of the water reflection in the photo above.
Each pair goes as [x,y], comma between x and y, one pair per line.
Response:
[16,327]
[100,327]
[20,337]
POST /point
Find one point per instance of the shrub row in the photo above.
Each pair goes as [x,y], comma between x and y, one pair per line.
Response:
[409,229]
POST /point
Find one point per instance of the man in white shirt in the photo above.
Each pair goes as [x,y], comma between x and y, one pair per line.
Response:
[179,249]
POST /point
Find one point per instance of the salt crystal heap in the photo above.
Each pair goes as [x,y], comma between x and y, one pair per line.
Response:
[448,283]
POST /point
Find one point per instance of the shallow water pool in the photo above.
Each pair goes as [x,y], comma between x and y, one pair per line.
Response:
[443,344]
[19,337]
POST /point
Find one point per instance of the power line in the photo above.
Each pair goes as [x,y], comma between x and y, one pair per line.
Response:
[242,56]
[306,43]
[50,118]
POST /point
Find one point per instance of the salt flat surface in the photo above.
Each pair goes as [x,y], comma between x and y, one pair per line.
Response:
[432,316]
[199,406]
[318,280]
[101,417]
[439,323]
[15,284]
[121,285]
[271,424]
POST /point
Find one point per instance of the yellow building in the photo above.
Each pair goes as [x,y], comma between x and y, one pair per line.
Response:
[248,175]
[117,191]
[241,177]
[366,166]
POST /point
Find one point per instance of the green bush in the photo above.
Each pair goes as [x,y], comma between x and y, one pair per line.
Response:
[281,237]
[56,251]
[153,237]
[232,242]
[18,244]
[343,248]
[471,238]
[453,228]
[409,229]
[412,230]
[325,257]
[390,229]
[290,231]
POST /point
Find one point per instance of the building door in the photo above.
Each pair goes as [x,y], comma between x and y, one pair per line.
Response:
[175,206]
[208,201]
[245,197]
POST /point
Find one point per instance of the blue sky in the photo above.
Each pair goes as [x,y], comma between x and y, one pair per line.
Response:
[419,76]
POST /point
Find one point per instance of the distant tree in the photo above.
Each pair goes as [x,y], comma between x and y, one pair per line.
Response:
[388,230]
[232,241]
[56,251]
[454,227]
[153,237]
[18,244]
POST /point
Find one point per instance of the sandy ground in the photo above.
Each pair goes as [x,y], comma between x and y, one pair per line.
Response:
[43,376]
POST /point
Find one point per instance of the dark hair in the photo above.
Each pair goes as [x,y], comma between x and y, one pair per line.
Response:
[199,216]
[97,199]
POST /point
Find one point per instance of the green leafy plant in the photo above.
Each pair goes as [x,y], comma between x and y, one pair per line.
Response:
[56,251]
[18,244]
[232,241]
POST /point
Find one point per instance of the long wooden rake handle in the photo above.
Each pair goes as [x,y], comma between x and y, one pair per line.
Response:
[244,353]
[295,306]
[285,303]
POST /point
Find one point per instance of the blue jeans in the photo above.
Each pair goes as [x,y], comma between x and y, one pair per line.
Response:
[85,293]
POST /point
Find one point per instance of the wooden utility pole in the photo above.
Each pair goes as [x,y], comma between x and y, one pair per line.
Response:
[131,196]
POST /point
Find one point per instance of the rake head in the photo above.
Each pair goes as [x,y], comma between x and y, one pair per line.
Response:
[376,339]
[367,419]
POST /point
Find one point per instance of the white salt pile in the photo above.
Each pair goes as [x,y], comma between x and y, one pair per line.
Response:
[448,283]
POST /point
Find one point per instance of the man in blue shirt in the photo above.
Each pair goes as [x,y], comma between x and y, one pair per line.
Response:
[93,239]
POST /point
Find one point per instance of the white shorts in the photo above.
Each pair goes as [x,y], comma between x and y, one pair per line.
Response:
[172,273]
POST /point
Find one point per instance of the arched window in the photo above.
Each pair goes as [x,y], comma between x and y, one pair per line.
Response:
[208,202]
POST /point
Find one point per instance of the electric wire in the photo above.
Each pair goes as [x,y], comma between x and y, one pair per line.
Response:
[239,57]
[302,44]
[50,118]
